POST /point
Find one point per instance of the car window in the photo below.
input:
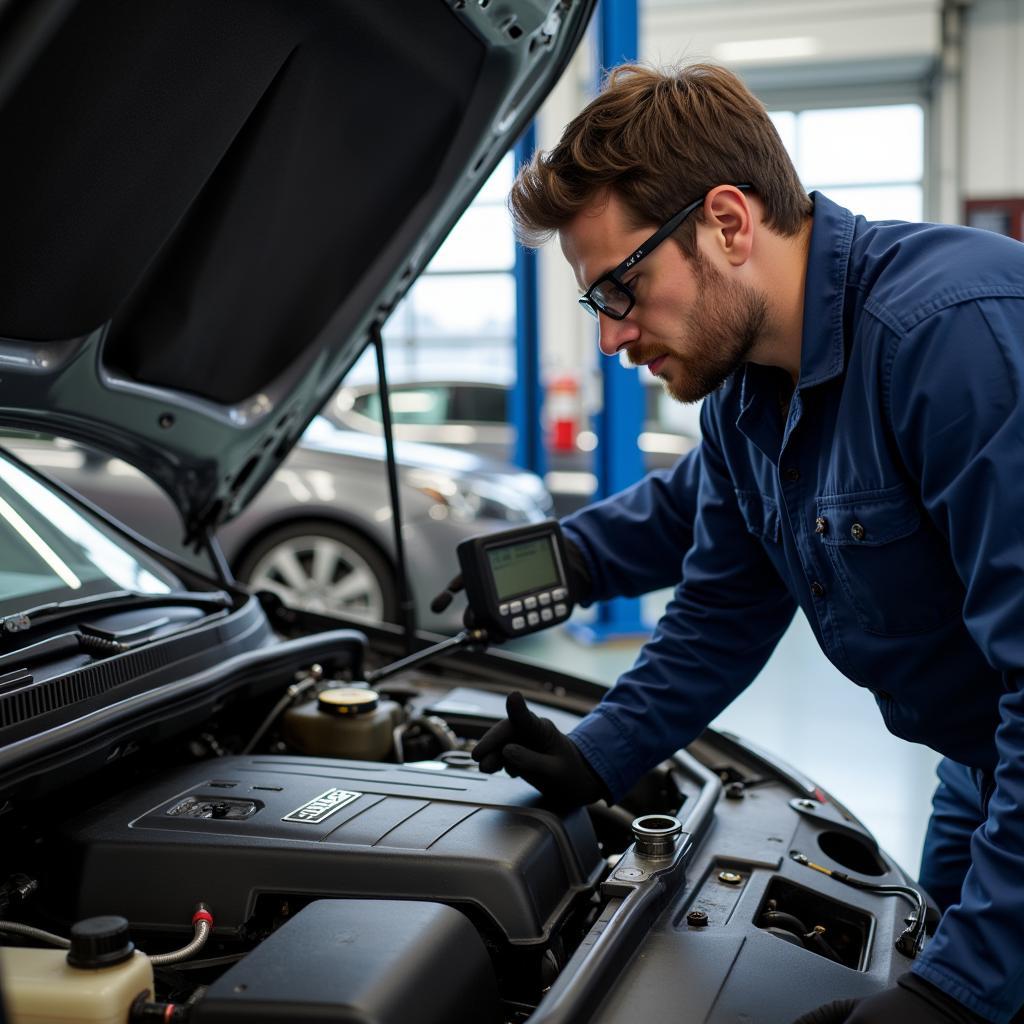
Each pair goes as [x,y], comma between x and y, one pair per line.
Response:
[50,550]
[423,406]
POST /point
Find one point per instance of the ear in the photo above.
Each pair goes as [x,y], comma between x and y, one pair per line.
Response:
[730,219]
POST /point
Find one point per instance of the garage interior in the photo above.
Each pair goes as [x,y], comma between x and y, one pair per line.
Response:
[237,681]
[906,109]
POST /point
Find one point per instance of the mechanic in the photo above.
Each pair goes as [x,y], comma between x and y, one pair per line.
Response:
[862,459]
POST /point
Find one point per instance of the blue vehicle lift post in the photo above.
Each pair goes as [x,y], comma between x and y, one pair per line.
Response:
[527,394]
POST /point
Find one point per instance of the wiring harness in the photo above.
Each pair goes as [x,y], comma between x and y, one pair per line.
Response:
[911,939]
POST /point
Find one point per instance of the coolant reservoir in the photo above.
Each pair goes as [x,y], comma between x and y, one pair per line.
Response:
[344,721]
[40,986]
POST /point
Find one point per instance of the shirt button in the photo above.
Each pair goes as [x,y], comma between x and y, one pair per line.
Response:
[817,590]
[857,531]
[792,474]
[821,526]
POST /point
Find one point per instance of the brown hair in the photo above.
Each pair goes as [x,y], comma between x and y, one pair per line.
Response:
[660,139]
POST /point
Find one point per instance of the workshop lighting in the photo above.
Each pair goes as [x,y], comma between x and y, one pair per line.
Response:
[756,50]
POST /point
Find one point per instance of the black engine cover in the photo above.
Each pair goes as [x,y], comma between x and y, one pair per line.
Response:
[229,830]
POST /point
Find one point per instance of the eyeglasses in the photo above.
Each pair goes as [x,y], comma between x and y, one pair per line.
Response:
[609,294]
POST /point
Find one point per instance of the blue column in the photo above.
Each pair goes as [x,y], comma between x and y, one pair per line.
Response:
[619,461]
[618,32]
[527,394]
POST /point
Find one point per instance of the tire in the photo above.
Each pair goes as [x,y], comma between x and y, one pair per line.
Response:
[323,567]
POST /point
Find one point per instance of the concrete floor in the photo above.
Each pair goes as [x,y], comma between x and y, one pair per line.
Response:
[802,709]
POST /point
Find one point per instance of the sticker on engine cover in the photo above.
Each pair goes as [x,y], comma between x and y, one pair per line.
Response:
[323,806]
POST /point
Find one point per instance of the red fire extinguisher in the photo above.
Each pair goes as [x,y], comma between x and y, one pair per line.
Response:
[563,408]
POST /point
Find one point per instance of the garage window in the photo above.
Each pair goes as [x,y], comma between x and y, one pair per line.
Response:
[868,158]
[459,318]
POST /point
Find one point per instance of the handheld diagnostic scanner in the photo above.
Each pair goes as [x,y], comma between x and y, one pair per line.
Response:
[516,580]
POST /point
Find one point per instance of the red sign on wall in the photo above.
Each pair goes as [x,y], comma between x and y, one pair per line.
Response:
[1006,216]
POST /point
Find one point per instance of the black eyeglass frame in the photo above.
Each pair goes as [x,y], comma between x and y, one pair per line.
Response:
[593,306]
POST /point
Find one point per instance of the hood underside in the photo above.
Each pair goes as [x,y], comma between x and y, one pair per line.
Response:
[209,205]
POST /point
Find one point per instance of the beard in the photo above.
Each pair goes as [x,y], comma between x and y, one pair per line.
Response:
[718,335]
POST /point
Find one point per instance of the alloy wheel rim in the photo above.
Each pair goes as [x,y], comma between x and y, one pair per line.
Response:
[320,574]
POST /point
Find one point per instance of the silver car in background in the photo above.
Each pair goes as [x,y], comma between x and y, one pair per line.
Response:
[319,534]
[470,414]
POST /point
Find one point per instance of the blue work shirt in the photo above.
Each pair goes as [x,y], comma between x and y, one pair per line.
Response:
[885,497]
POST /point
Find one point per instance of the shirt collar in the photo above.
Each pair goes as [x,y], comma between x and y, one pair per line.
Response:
[822,351]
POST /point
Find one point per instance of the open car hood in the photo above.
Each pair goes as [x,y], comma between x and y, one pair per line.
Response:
[209,206]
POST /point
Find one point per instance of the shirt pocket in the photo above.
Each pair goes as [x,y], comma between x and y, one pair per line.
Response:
[892,563]
[760,513]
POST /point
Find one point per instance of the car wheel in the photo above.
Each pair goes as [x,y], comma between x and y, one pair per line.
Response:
[322,567]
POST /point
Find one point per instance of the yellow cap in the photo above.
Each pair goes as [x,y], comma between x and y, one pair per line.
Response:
[347,700]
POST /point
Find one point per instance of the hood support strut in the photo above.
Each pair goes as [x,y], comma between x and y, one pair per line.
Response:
[220,564]
[406,606]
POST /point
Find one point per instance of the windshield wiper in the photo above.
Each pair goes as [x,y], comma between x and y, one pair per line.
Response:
[21,624]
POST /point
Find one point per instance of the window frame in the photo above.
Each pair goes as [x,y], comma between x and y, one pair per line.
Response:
[881,94]
[406,334]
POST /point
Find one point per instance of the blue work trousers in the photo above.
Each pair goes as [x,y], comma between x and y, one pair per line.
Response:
[959,807]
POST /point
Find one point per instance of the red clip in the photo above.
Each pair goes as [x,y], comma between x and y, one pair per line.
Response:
[820,796]
[203,915]
[169,1012]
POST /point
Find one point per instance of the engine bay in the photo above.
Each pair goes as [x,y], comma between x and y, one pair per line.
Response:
[350,855]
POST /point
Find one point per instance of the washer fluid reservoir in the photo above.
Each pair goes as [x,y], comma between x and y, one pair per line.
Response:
[95,982]
[345,721]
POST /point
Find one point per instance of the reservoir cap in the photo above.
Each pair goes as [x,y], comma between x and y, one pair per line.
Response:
[347,700]
[100,942]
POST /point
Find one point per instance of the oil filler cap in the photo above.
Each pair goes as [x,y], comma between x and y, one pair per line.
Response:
[100,942]
[347,700]
[656,835]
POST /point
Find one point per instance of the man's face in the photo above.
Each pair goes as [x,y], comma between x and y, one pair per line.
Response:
[691,326]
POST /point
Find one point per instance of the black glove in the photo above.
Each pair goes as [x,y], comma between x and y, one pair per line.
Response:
[911,1001]
[580,583]
[531,747]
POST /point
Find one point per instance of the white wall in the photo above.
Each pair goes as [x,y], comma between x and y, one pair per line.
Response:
[993,100]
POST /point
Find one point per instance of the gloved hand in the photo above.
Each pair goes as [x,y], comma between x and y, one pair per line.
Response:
[532,747]
[580,583]
[910,1001]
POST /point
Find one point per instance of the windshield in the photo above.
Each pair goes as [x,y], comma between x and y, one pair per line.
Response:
[51,550]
